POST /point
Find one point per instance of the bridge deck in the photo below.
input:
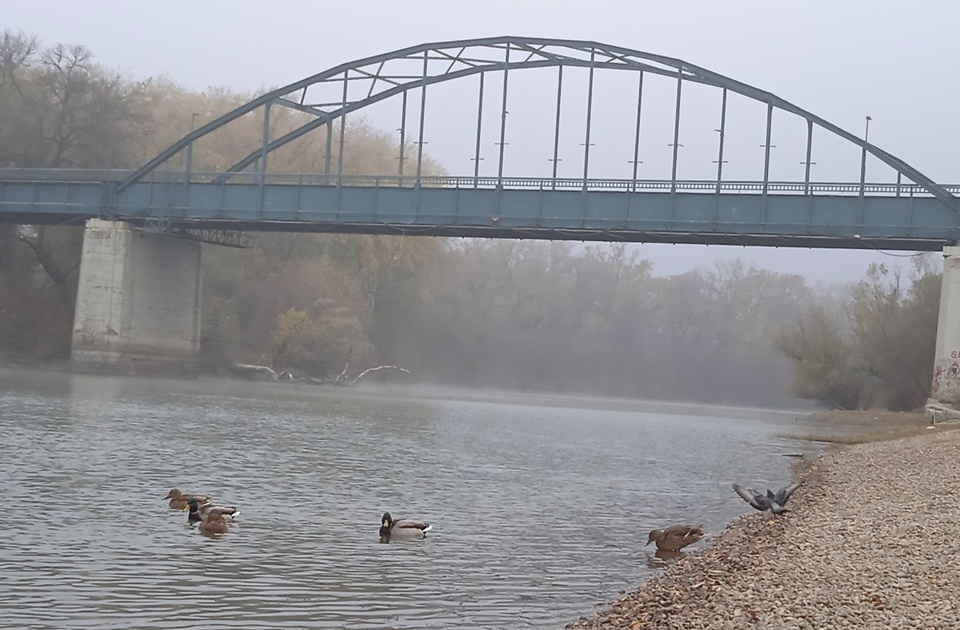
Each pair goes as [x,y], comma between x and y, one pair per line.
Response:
[743,213]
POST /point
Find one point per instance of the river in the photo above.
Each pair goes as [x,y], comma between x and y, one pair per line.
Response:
[540,505]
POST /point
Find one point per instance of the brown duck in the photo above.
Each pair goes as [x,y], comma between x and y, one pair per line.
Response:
[215,523]
[675,537]
[179,500]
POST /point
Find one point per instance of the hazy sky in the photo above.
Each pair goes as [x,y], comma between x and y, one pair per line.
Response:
[893,61]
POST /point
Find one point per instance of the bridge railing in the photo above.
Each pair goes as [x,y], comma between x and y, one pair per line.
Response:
[530,183]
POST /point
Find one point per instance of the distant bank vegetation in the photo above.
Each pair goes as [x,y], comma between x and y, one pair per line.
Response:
[526,315]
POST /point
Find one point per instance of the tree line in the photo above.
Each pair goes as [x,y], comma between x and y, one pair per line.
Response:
[529,315]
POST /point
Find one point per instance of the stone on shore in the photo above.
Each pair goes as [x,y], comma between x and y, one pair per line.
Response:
[873,542]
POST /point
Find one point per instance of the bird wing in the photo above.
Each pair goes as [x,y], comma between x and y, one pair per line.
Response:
[783,495]
[209,509]
[406,523]
[756,500]
[680,531]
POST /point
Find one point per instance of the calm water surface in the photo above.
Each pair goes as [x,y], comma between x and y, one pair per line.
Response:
[540,505]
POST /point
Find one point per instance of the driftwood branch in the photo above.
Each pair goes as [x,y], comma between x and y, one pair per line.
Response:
[373,369]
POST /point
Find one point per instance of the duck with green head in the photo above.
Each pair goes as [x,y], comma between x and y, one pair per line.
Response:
[200,512]
[402,528]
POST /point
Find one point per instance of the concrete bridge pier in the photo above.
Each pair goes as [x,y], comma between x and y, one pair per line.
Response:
[138,302]
[946,368]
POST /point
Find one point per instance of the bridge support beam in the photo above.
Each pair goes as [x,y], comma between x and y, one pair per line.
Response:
[946,368]
[138,302]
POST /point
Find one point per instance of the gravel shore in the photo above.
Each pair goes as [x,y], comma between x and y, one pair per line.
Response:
[873,542]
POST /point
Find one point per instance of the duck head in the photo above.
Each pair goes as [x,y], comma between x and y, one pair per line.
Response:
[173,494]
[194,510]
[654,535]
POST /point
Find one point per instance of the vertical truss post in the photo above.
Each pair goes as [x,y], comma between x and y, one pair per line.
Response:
[766,161]
[343,128]
[586,140]
[556,128]
[723,134]
[636,134]
[423,112]
[262,177]
[403,134]
[327,157]
[189,168]
[265,140]
[899,176]
[808,163]
[476,153]
[676,141]
[503,116]
[863,170]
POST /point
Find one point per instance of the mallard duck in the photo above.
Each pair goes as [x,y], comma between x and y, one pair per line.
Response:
[178,500]
[675,537]
[401,528]
[200,512]
[215,523]
[773,501]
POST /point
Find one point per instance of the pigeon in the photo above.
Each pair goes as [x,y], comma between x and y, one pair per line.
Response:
[768,501]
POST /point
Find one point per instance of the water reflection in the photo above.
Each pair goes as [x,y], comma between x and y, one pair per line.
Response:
[534,506]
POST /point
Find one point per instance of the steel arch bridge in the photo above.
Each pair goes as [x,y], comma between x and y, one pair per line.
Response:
[913,212]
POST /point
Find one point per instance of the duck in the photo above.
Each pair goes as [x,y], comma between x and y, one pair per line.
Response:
[402,528]
[675,537]
[200,512]
[215,523]
[178,500]
[773,501]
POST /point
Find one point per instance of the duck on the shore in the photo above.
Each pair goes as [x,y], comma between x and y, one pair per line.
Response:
[675,537]
[200,512]
[402,528]
[178,500]
[774,502]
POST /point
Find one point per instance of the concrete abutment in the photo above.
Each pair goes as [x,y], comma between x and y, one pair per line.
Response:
[138,302]
[946,367]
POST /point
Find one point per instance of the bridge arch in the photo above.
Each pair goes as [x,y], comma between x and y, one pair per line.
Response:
[451,60]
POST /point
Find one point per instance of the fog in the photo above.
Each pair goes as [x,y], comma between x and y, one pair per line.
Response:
[678,322]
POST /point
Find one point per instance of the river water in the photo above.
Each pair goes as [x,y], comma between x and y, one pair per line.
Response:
[540,504]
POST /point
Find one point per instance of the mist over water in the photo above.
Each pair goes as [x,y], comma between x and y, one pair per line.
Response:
[540,504]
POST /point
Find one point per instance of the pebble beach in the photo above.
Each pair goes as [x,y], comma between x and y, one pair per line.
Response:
[872,541]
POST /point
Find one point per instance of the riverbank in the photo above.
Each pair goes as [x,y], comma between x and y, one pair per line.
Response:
[859,427]
[871,543]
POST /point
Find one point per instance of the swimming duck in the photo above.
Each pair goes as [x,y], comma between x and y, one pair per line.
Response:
[178,500]
[215,523]
[402,528]
[675,537]
[200,512]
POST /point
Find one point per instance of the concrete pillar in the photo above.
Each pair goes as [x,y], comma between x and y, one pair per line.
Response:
[138,302]
[946,367]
